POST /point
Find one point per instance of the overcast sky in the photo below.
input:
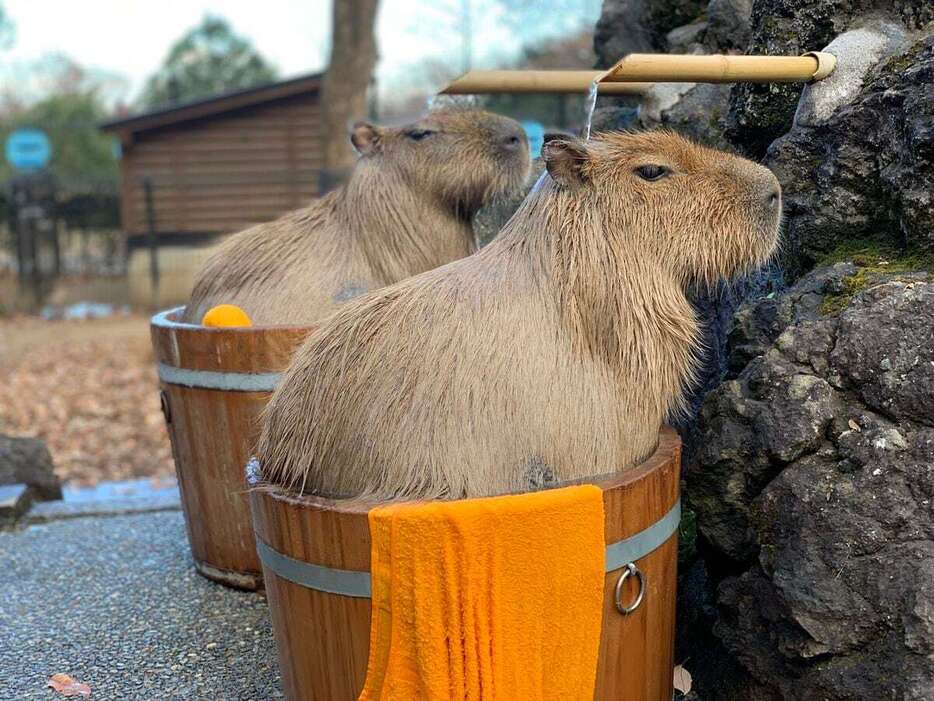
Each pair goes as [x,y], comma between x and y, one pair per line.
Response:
[132,37]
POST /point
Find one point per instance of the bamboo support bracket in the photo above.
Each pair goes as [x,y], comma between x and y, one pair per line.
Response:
[635,73]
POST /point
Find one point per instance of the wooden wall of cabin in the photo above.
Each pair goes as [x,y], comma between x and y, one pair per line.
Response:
[224,173]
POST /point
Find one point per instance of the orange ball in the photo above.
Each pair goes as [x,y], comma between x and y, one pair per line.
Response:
[226,315]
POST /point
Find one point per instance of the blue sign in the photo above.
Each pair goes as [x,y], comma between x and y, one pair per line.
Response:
[536,135]
[28,149]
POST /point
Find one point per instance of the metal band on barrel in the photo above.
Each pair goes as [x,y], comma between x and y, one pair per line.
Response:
[357,584]
[311,576]
[162,320]
[622,552]
[226,381]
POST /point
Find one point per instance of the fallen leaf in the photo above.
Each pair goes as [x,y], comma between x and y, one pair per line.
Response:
[853,425]
[682,680]
[67,686]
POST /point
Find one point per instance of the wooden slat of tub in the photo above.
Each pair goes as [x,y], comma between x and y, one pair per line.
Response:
[306,529]
[637,650]
[329,656]
[213,435]
[657,484]
[636,658]
[253,350]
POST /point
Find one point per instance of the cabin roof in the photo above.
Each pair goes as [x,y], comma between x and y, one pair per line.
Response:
[213,106]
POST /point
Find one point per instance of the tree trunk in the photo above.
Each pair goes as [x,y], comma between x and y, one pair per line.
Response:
[343,91]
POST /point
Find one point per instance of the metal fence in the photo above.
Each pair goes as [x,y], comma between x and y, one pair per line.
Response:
[49,233]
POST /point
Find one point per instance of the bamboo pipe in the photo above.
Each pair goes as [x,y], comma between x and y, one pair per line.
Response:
[635,73]
[721,68]
[548,82]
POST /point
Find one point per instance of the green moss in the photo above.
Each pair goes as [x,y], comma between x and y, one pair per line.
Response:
[768,553]
[875,260]
[687,539]
[834,304]
[871,253]
[899,63]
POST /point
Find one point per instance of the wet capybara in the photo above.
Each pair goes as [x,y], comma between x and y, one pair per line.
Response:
[553,354]
[407,208]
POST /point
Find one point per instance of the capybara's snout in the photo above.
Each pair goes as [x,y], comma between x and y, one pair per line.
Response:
[762,193]
[768,191]
[508,144]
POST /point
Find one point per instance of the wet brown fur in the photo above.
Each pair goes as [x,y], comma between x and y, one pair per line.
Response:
[553,354]
[407,208]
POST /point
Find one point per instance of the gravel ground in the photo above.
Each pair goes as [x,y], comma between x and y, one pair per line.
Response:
[115,602]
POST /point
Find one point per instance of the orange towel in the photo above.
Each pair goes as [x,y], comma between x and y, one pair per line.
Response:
[496,599]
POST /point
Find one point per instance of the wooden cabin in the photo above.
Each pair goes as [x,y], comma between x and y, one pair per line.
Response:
[196,171]
[215,166]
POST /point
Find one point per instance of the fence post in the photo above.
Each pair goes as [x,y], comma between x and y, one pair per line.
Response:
[54,219]
[32,258]
[19,240]
[153,242]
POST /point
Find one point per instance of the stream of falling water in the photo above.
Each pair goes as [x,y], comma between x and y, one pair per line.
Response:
[590,105]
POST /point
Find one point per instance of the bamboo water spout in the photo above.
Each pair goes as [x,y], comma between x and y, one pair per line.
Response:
[635,73]
[540,82]
[721,68]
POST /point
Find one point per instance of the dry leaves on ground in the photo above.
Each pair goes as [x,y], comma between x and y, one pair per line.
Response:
[67,686]
[93,397]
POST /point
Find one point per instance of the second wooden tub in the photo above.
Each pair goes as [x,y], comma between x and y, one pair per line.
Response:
[316,559]
[215,383]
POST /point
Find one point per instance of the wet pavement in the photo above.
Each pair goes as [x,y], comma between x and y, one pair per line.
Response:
[104,590]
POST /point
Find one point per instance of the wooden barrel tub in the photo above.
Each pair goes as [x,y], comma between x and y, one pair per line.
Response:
[316,559]
[214,384]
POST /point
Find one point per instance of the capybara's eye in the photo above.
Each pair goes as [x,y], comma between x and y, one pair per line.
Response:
[419,134]
[652,172]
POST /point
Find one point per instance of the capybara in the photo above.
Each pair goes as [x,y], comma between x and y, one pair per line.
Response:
[407,208]
[553,354]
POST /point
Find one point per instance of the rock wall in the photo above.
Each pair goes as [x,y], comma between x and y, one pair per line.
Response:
[858,162]
[638,26]
[812,475]
[809,466]
[760,114]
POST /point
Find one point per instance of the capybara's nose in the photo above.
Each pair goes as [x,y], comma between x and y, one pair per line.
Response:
[774,197]
[512,140]
[768,185]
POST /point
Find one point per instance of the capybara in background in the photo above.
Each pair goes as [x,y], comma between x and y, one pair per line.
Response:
[407,208]
[553,354]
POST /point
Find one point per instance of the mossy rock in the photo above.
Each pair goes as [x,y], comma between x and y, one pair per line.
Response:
[876,262]
[687,538]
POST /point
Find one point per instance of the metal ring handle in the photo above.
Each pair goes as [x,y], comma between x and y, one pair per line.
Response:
[629,570]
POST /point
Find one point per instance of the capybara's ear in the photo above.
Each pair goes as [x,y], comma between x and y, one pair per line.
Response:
[557,136]
[564,160]
[365,138]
